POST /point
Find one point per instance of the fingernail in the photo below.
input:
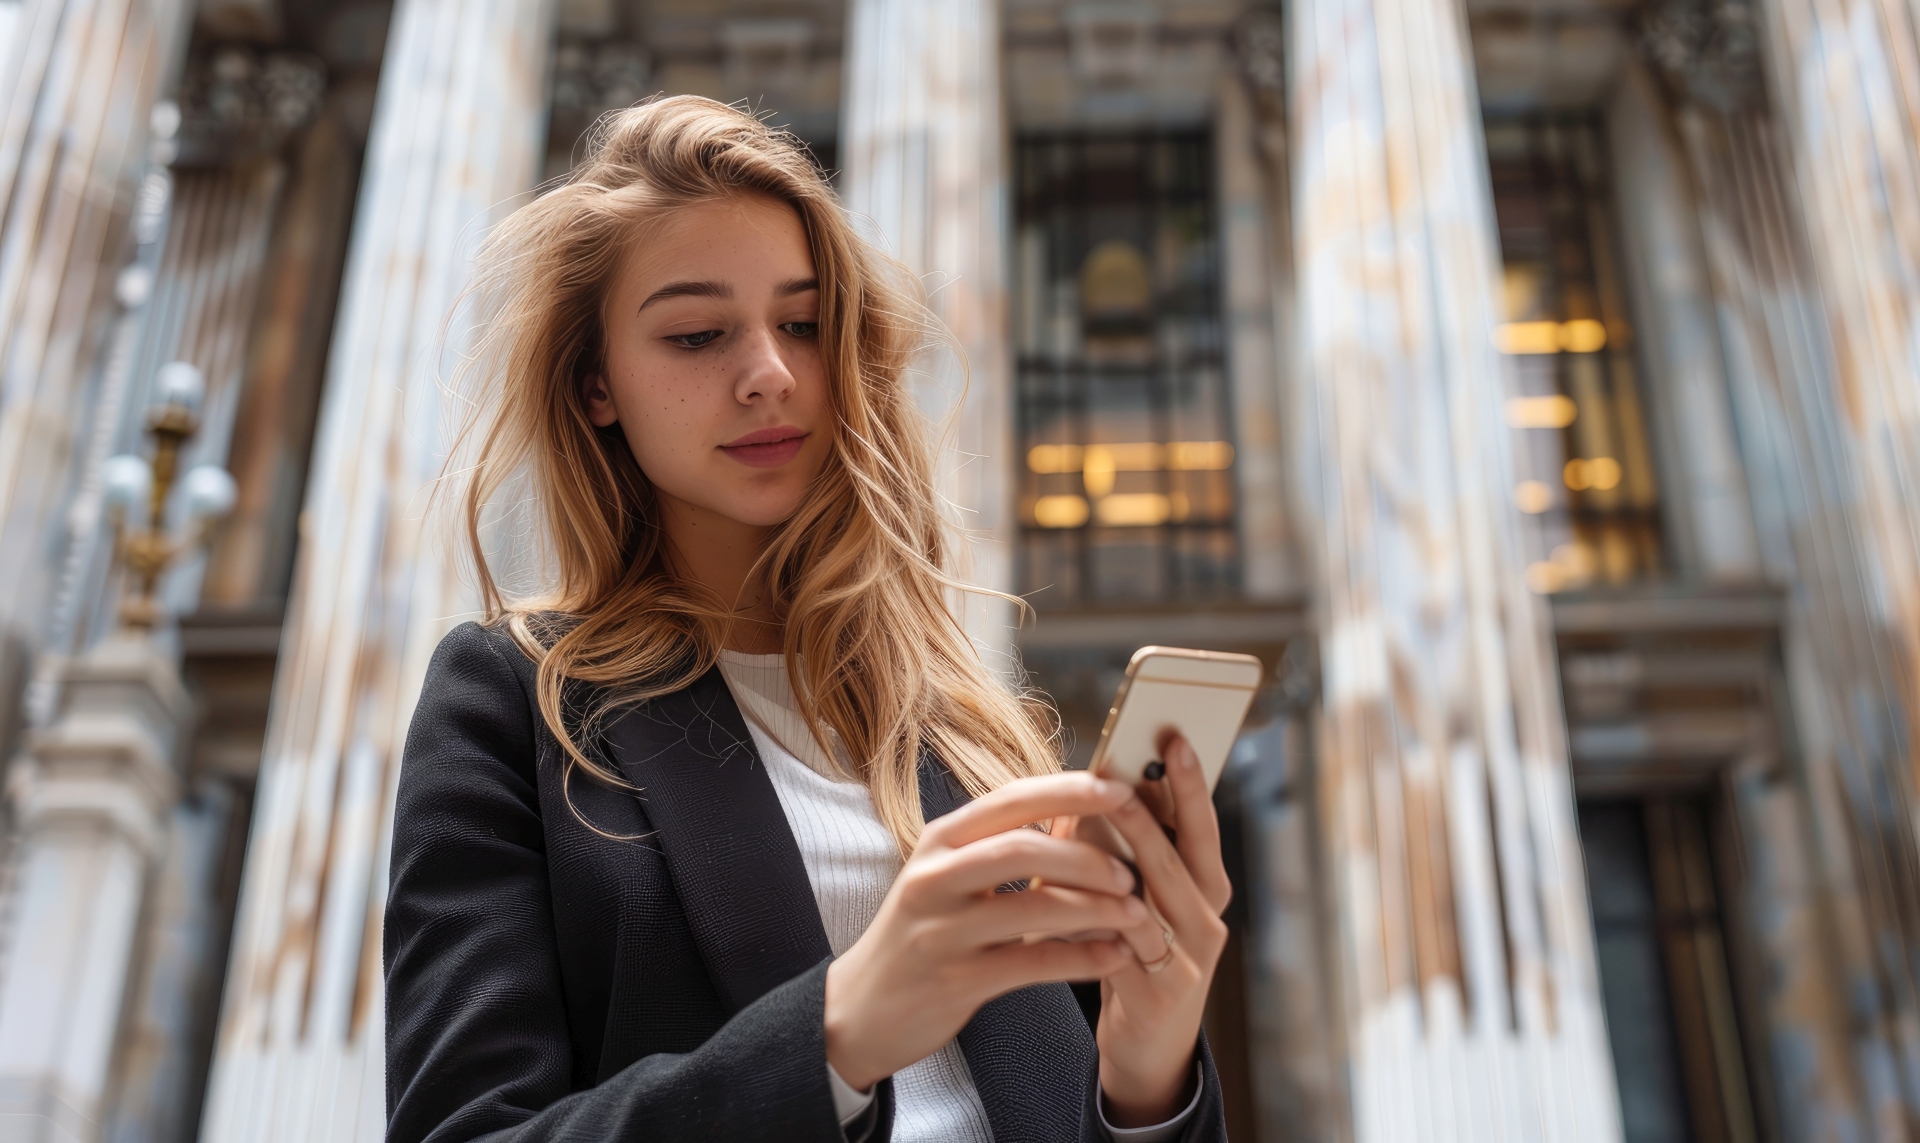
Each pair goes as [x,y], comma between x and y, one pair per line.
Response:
[1185,757]
[1136,909]
[1122,874]
[1108,788]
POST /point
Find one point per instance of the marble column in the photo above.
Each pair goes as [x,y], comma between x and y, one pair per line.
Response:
[1846,81]
[91,798]
[1834,902]
[924,162]
[76,93]
[1470,998]
[1711,523]
[456,139]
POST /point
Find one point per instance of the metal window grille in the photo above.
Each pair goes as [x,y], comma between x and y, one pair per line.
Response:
[1585,468]
[1126,455]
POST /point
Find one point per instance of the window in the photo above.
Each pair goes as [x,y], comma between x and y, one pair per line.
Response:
[1127,491]
[1584,468]
[1664,978]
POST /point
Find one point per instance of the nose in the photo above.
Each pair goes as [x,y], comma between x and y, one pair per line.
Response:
[762,373]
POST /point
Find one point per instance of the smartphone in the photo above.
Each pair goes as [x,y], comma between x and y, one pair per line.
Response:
[1202,696]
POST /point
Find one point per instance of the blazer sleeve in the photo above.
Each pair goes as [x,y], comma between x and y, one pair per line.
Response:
[477,1039]
[1207,1122]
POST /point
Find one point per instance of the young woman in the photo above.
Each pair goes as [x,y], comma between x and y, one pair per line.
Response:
[719,838]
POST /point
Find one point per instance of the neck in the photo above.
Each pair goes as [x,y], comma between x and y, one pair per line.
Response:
[718,553]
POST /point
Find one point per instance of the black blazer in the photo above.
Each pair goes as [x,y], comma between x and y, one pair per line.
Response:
[660,975]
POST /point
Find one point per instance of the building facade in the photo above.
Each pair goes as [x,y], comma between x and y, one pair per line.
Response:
[1534,385]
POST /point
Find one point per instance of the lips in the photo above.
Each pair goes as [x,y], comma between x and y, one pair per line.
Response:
[767,448]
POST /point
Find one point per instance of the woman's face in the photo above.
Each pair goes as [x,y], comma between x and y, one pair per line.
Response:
[713,362]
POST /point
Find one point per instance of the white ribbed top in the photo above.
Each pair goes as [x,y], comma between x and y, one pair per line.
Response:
[851,862]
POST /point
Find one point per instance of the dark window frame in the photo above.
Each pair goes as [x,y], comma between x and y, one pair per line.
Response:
[1062,187]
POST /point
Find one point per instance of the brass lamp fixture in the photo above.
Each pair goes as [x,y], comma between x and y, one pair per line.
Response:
[137,492]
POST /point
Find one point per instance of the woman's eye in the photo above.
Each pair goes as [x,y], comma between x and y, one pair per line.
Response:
[694,340]
[801,328]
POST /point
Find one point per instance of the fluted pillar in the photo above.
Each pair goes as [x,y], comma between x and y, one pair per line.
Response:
[90,798]
[1470,995]
[1846,86]
[457,136]
[1848,79]
[1832,905]
[76,92]
[1706,496]
[925,161]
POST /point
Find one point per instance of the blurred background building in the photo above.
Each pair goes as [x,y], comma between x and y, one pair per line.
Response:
[1533,384]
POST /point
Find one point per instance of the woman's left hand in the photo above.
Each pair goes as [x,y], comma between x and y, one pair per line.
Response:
[1150,1019]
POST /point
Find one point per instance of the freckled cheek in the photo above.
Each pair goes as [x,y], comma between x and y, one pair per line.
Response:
[812,390]
[668,423]
[679,394]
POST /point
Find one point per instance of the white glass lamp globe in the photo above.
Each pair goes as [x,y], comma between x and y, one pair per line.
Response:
[209,492]
[180,383]
[126,482]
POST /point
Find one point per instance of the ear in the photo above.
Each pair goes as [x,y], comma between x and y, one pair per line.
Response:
[600,409]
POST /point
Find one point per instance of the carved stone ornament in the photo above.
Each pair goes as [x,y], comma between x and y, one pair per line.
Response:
[590,77]
[1706,51]
[1262,42]
[1113,44]
[238,102]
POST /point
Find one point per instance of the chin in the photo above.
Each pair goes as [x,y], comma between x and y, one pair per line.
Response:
[763,510]
[767,519]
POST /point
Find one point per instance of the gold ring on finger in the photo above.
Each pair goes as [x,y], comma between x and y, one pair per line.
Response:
[1165,958]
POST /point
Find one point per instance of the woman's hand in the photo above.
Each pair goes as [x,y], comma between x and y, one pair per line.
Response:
[944,943]
[1150,1018]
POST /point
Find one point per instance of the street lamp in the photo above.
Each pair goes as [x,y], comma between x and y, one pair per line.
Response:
[136,492]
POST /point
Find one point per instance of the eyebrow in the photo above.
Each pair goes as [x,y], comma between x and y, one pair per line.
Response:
[721,290]
[688,290]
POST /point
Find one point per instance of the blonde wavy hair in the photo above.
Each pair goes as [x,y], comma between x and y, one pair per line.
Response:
[859,575]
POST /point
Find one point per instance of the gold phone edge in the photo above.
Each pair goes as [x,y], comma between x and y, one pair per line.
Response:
[1134,663]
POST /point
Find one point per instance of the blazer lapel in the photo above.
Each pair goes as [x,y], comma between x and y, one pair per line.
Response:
[726,839]
[1030,1052]
[745,892]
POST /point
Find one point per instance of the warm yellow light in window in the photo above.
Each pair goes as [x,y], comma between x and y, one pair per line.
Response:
[1528,337]
[1060,511]
[1583,335]
[1520,284]
[1053,458]
[1533,497]
[1096,471]
[1568,566]
[1099,463]
[1131,456]
[1132,510]
[1578,559]
[1115,281]
[1601,474]
[1134,456]
[1555,412]
[1199,456]
[1545,577]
